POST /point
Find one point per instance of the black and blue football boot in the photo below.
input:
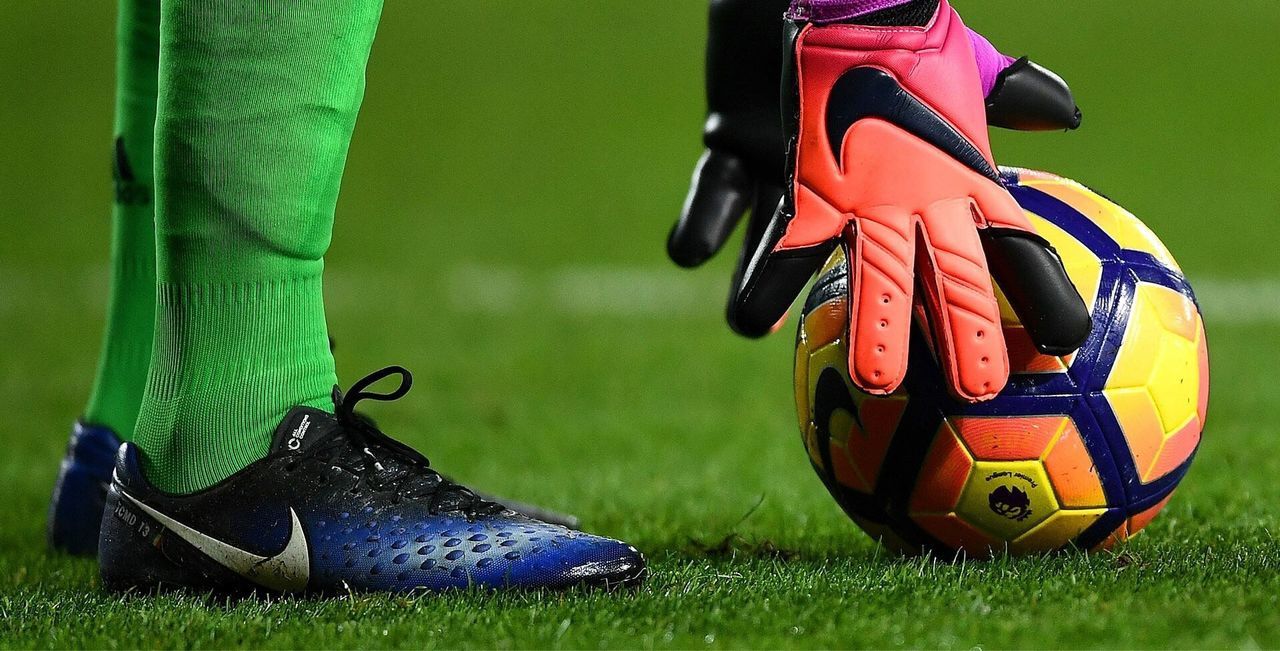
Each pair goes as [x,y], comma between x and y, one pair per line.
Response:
[339,506]
[80,491]
[75,511]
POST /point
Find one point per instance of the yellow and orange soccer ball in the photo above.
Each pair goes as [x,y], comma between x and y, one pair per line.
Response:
[1077,452]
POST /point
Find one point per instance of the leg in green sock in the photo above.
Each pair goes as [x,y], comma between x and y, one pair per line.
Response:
[126,347]
[256,107]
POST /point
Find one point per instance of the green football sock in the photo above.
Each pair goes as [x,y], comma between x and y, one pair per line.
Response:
[126,346]
[257,102]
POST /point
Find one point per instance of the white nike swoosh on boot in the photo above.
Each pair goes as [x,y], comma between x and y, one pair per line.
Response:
[287,571]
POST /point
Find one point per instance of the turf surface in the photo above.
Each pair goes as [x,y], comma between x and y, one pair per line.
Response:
[510,186]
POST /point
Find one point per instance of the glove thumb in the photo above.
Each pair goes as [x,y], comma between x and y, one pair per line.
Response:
[1028,97]
[1020,94]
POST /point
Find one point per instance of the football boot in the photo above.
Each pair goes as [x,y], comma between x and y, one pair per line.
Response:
[80,490]
[338,506]
[75,510]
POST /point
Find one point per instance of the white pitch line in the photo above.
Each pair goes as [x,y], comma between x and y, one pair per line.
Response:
[668,292]
[655,292]
[636,291]
[1239,301]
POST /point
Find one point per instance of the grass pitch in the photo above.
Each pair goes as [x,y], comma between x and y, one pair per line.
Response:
[500,233]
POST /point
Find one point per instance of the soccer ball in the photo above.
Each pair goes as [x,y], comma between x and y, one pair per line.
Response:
[1079,452]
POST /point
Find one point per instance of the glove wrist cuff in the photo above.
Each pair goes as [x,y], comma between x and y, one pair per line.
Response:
[834,11]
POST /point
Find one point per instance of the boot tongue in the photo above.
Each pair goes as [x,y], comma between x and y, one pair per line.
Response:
[302,428]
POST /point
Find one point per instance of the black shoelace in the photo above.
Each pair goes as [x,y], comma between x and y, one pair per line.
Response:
[390,465]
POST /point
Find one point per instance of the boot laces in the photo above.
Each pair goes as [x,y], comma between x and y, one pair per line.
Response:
[388,464]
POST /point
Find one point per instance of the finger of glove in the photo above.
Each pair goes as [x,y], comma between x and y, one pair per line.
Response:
[718,196]
[881,246]
[1020,94]
[774,278]
[1033,278]
[1029,97]
[768,197]
[960,304]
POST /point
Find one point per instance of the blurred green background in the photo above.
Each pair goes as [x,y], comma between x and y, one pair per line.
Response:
[514,173]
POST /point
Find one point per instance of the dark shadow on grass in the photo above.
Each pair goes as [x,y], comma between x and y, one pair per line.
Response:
[734,545]
[230,598]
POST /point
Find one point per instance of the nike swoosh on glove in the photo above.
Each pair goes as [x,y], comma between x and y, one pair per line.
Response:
[890,158]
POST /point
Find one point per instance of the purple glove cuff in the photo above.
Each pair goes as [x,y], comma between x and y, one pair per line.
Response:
[990,61]
[828,11]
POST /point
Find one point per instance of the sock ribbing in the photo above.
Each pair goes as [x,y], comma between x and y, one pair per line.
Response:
[230,360]
[256,107]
